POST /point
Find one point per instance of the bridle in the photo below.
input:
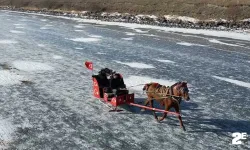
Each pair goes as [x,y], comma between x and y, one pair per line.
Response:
[180,90]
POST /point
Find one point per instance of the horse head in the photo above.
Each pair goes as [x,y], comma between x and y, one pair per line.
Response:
[181,89]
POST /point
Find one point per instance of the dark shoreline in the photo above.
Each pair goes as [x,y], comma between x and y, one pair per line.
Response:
[145,19]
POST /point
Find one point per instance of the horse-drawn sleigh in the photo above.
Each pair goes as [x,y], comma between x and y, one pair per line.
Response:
[109,87]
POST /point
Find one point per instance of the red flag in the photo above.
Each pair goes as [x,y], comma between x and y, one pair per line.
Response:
[89,65]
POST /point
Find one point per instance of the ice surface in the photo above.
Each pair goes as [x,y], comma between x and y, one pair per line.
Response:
[31,66]
[136,65]
[58,111]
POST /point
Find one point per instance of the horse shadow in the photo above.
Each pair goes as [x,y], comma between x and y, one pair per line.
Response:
[194,124]
[217,125]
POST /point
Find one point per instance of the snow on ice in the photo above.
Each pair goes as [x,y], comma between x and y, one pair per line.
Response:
[86,40]
[9,78]
[237,82]
[135,80]
[31,66]
[8,42]
[165,61]
[219,42]
[17,32]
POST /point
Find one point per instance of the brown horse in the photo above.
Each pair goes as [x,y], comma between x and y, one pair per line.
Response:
[167,96]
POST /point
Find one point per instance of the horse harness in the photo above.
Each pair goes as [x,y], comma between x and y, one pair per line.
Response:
[169,92]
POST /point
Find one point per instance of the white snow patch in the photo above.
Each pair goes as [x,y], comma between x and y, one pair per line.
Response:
[48,25]
[136,65]
[15,31]
[6,131]
[85,39]
[95,36]
[31,66]
[100,53]
[18,24]
[44,28]
[79,26]
[136,80]
[57,57]
[43,20]
[183,18]
[146,16]
[219,42]
[189,44]
[7,42]
[78,30]
[237,82]
[115,14]
[165,61]
[128,39]
[41,45]
[79,48]
[185,44]
[129,33]
[139,31]
[19,27]
[248,61]
[248,19]
[9,78]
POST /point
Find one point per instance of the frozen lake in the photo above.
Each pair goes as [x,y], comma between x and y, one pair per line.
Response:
[56,109]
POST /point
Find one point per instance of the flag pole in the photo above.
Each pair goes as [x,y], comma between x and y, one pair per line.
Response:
[92,69]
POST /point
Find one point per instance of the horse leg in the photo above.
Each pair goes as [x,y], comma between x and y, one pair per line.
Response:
[151,103]
[177,109]
[148,100]
[166,109]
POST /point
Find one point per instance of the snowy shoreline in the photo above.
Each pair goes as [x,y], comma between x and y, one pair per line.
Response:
[163,21]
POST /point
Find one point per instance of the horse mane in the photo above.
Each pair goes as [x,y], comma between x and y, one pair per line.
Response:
[180,84]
